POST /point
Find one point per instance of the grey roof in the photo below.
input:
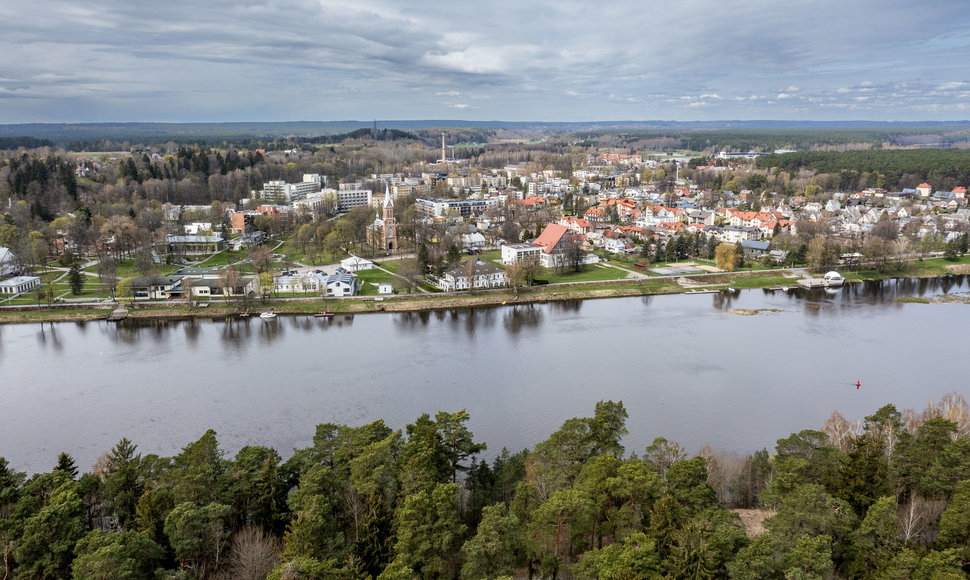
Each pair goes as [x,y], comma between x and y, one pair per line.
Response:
[755,245]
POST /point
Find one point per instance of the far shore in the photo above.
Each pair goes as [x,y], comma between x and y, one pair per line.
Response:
[447,301]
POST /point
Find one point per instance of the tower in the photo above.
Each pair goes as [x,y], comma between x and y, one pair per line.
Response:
[383,232]
[390,222]
[444,158]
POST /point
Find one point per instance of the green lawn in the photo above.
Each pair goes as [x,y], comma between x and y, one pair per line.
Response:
[390,265]
[591,273]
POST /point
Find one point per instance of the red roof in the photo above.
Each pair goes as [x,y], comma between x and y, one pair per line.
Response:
[924,186]
[550,237]
[960,190]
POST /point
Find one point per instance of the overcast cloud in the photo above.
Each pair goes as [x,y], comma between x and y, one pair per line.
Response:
[276,60]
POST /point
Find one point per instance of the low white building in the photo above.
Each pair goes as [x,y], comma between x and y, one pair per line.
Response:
[355,264]
[342,284]
[19,285]
[385,288]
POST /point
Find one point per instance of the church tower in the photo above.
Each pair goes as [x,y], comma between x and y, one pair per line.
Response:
[390,222]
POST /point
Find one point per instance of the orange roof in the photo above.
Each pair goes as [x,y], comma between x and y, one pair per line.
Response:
[959,190]
[550,237]
[924,185]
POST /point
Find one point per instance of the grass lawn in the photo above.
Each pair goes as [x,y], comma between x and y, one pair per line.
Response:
[389,265]
[370,278]
[594,272]
[221,259]
[128,269]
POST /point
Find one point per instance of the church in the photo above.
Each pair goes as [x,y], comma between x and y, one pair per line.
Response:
[383,232]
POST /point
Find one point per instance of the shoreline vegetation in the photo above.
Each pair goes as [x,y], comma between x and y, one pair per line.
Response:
[931,268]
[885,496]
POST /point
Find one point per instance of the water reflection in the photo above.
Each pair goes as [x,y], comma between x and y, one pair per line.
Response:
[48,336]
[521,316]
[567,305]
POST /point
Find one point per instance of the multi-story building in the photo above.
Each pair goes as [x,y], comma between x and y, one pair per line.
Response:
[437,208]
[283,192]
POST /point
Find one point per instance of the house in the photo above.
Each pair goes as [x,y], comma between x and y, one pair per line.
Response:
[19,284]
[355,264]
[754,248]
[342,284]
[473,241]
[483,275]
[154,287]
[385,288]
[553,242]
[924,189]
[9,264]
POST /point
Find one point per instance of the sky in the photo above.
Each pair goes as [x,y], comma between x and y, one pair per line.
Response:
[565,60]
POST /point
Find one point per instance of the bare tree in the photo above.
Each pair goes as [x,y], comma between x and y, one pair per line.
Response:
[515,274]
[253,555]
[841,431]
[260,257]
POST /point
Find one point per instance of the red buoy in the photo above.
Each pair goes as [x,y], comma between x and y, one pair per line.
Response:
[858,384]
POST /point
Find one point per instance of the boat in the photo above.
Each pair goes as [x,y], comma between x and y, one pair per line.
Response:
[267,315]
[833,278]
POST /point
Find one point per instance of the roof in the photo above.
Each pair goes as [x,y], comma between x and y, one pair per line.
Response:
[481,267]
[18,280]
[550,236]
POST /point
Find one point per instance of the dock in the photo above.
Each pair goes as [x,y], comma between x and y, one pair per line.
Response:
[118,314]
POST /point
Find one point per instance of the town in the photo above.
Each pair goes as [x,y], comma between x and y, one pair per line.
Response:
[96,229]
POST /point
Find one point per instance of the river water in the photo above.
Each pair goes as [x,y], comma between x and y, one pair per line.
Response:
[687,367]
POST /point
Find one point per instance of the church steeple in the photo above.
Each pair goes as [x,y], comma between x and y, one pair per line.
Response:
[388,200]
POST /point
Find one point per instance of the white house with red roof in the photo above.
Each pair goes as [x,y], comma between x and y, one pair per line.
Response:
[924,189]
[960,192]
[553,241]
[574,224]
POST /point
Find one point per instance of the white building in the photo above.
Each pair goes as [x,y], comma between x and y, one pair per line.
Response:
[355,264]
[512,253]
[19,284]
[348,199]
[283,192]
[483,275]
[342,284]
[8,262]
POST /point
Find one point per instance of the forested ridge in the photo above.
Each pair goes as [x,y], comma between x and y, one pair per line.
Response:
[886,497]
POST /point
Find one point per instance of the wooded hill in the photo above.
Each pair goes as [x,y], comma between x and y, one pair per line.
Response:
[887,497]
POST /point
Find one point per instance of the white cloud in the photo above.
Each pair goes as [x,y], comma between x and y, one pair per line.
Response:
[448,94]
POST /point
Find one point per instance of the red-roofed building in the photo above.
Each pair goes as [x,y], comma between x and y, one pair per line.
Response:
[553,241]
[574,224]
[960,192]
[924,189]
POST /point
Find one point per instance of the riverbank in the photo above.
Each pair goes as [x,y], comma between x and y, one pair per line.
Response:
[480,298]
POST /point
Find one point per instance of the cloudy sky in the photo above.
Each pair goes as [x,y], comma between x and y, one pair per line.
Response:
[565,60]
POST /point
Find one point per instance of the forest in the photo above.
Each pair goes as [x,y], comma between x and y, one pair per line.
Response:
[884,497]
[899,168]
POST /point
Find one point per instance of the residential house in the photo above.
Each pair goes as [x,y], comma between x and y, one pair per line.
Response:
[342,284]
[9,264]
[553,242]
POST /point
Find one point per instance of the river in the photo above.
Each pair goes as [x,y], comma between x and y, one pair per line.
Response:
[687,367]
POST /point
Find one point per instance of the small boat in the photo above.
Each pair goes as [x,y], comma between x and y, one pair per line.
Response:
[267,315]
[732,291]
